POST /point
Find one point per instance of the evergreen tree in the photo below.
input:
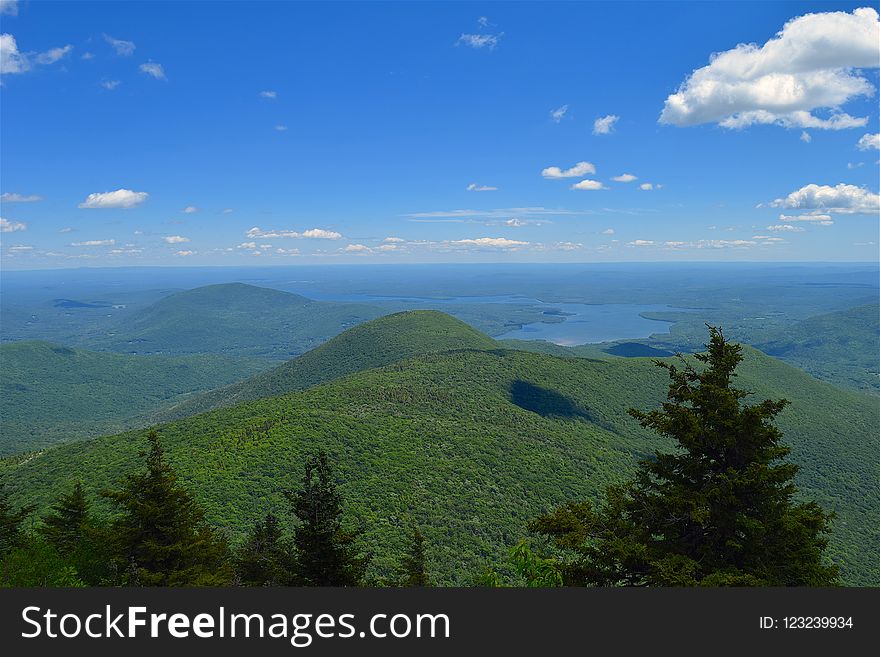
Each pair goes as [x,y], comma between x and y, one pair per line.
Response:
[717,511]
[66,526]
[325,554]
[414,566]
[161,537]
[264,559]
[11,534]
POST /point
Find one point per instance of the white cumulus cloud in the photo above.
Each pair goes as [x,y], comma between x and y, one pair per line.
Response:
[474,187]
[175,239]
[153,70]
[123,48]
[312,233]
[95,243]
[12,197]
[869,141]
[588,185]
[190,209]
[813,63]
[120,199]
[624,178]
[578,170]
[7,226]
[558,114]
[604,124]
[842,198]
[479,41]
[491,242]
[271,95]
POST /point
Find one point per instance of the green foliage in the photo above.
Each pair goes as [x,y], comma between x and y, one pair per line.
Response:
[265,558]
[66,525]
[530,570]
[414,566]
[10,523]
[325,554]
[377,343]
[716,511]
[233,319]
[52,394]
[438,440]
[161,535]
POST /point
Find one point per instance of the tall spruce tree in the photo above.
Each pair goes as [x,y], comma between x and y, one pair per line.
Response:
[11,534]
[265,557]
[414,565]
[717,511]
[325,554]
[161,537]
[66,526]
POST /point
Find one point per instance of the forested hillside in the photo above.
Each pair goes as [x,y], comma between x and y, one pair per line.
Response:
[373,344]
[52,393]
[233,319]
[471,445]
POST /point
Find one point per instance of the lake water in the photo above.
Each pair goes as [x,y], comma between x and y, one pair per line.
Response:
[583,323]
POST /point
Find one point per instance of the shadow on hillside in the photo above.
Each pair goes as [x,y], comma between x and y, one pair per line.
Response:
[545,402]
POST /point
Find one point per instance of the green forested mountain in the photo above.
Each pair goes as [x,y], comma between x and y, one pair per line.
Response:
[470,445]
[839,347]
[373,344]
[232,319]
[51,394]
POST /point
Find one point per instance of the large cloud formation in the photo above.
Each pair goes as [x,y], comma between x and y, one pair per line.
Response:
[812,63]
[842,198]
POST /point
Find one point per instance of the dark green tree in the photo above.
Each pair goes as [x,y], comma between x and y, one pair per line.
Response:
[717,511]
[414,565]
[65,527]
[265,557]
[11,533]
[325,554]
[161,536]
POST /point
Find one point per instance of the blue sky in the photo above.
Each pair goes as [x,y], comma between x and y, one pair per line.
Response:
[351,132]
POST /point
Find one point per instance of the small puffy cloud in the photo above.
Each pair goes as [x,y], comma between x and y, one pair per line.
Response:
[578,170]
[854,165]
[119,199]
[605,124]
[393,240]
[868,142]
[20,248]
[842,198]
[483,21]
[821,219]
[558,114]
[491,242]
[647,187]
[175,239]
[641,243]
[9,7]
[12,197]
[356,248]
[624,178]
[53,55]
[806,137]
[95,243]
[785,228]
[588,185]
[474,187]
[479,41]
[110,85]
[7,226]
[66,229]
[281,128]
[608,231]
[122,48]
[228,210]
[184,254]
[190,209]
[247,245]
[814,62]
[88,55]
[153,69]
[312,233]
[271,95]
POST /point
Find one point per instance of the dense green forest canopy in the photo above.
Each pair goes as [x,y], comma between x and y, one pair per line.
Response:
[51,393]
[470,445]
